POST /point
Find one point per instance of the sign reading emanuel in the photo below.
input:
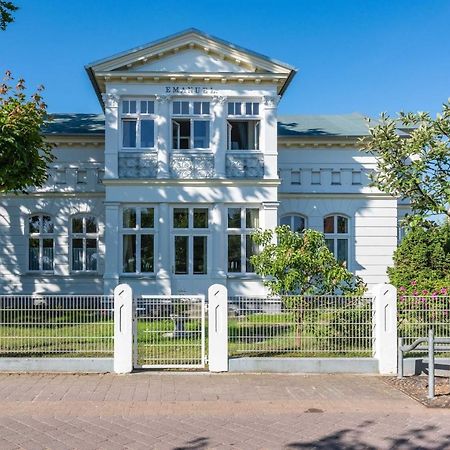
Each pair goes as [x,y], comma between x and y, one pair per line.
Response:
[190,90]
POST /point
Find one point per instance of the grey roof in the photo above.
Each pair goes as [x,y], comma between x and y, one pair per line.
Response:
[312,126]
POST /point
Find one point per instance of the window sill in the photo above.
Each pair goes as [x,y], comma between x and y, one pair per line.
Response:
[138,276]
[244,276]
[177,151]
[139,150]
[255,152]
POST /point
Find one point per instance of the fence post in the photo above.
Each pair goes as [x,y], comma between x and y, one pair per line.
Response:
[218,328]
[385,332]
[123,329]
[431,363]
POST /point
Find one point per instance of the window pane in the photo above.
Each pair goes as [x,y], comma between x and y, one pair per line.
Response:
[176,108]
[77,225]
[234,253]
[180,218]
[239,135]
[298,223]
[129,218]
[255,109]
[129,253]
[147,218]
[184,107]
[147,133]
[125,107]
[197,107]
[328,224]
[234,217]
[250,249]
[91,224]
[77,254]
[248,108]
[33,224]
[237,108]
[200,254]
[91,254]
[330,244]
[285,220]
[252,218]
[200,218]
[129,133]
[231,108]
[47,254]
[342,224]
[205,107]
[47,224]
[33,257]
[132,106]
[181,254]
[183,127]
[342,251]
[201,134]
[147,253]
[147,107]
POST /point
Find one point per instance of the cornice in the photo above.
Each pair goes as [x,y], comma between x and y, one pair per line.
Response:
[209,182]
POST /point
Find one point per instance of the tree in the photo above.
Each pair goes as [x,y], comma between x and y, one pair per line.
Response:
[24,153]
[6,13]
[422,260]
[301,263]
[413,165]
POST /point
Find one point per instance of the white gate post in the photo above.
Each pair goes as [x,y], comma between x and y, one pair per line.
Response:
[385,332]
[218,328]
[123,329]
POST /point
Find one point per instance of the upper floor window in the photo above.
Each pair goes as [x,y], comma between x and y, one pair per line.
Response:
[336,232]
[243,134]
[242,222]
[138,124]
[84,243]
[40,243]
[295,222]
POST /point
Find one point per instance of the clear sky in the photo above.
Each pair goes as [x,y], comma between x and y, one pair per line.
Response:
[352,55]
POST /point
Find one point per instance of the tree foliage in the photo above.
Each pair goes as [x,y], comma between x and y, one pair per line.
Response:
[24,153]
[301,263]
[422,260]
[7,9]
[416,167]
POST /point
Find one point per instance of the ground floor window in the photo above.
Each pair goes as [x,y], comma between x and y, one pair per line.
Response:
[336,232]
[40,243]
[242,222]
[84,243]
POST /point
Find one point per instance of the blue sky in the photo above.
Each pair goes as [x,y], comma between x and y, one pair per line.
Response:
[364,56]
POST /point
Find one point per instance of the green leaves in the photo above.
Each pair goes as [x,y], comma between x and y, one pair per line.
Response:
[300,263]
[24,153]
[6,10]
[415,165]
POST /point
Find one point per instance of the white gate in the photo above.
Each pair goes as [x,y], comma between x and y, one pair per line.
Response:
[169,331]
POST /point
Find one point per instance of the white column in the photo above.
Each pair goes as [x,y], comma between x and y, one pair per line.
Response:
[218,243]
[269,136]
[219,135]
[218,328]
[270,215]
[385,330]
[111,102]
[112,246]
[164,242]
[163,137]
[123,329]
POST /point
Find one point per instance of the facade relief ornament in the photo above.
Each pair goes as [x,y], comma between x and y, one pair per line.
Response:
[163,98]
[138,165]
[219,99]
[245,166]
[110,100]
[192,166]
[271,101]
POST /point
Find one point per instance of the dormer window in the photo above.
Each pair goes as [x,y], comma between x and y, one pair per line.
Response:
[189,131]
[138,124]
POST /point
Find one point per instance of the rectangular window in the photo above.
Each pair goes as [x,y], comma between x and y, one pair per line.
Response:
[243,135]
[129,128]
[129,253]
[34,254]
[200,255]
[251,249]
[40,243]
[342,251]
[295,177]
[201,134]
[181,254]
[147,107]
[252,109]
[179,107]
[147,133]
[181,218]
[201,108]
[252,218]
[77,254]
[234,217]
[234,253]
[335,177]
[129,107]
[138,126]
[200,217]
[147,253]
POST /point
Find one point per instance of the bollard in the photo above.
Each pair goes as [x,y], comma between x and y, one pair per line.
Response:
[431,363]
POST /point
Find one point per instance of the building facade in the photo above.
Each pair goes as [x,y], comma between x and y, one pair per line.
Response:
[164,190]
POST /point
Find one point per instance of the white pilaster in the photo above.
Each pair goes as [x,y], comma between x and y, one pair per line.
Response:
[270,215]
[218,237]
[111,102]
[112,246]
[269,136]
[219,135]
[164,242]
[163,136]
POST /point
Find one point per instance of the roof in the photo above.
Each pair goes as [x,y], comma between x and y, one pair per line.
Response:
[301,126]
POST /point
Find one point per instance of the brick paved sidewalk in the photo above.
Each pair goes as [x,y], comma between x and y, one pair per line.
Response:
[199,411]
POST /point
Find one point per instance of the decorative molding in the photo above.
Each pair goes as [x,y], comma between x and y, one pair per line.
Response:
[110,100]
[271,101]
[192,166]
[219,99]
[138,165]
[163,98]
[245,166]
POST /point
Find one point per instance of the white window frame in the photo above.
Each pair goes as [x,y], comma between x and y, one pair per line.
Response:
[139,117]
[291,217]
[84,235]
[138,231]
[256,131]
[40,236]
[243,232]
[191,232]
[191,117]
[335,236]
[243,111]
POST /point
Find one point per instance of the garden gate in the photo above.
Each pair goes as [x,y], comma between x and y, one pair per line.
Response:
[169,331]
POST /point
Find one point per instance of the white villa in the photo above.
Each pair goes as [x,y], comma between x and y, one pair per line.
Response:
[164,189]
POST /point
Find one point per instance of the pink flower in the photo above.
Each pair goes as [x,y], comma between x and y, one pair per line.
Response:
[415,293]
[402,298]
[413,283]
[402,288]
[444,291]
[434,294]
[424,292]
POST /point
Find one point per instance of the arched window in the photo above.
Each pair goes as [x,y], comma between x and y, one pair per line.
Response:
[40,242]
[295,221]
[335,228]
[84,243]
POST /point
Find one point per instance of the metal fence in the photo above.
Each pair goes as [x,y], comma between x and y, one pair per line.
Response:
[170,331]
[301,326]
[417,314]
[56,326]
